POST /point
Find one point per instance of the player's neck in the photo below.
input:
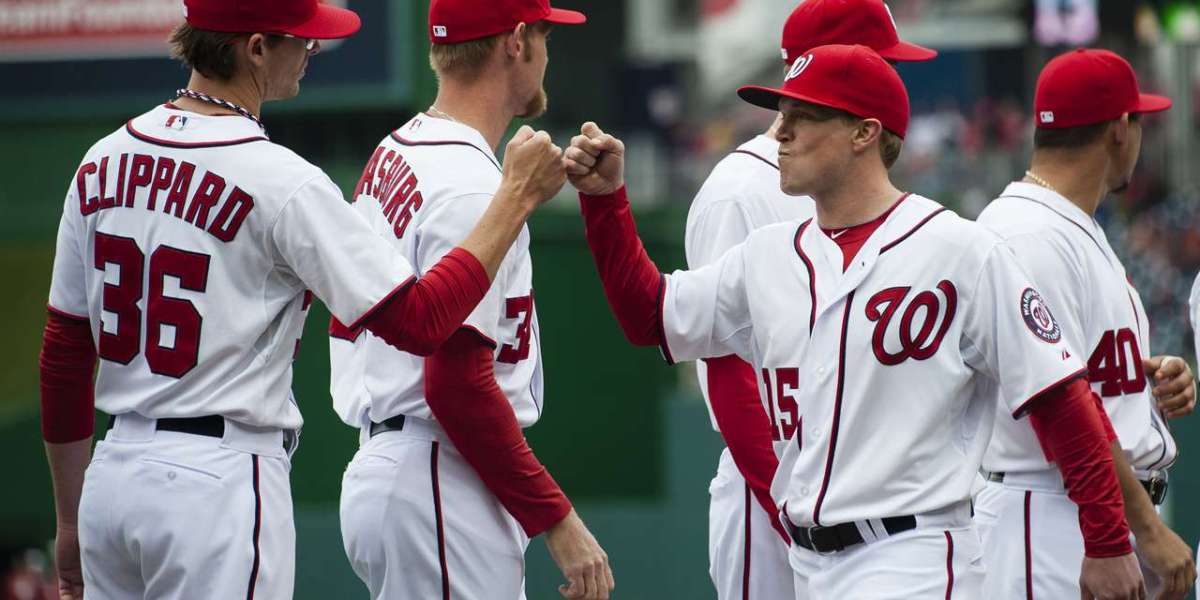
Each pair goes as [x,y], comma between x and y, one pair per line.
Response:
[237,90]
[483,107]
[856,200]
[1078,178]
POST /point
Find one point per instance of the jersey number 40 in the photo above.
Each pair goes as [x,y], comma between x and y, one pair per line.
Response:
[1117,364]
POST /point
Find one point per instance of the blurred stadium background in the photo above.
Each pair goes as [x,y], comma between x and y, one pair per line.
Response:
[626,436]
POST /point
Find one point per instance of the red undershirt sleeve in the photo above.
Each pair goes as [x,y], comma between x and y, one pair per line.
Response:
[733,391]
[421,316]
[66,364]
[632,283]
[461,390]
[1074,431]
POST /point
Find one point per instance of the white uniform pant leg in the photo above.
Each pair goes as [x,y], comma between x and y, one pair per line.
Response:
[746,558]
[922,564]
[418,523]
[180,517]
[1031,541]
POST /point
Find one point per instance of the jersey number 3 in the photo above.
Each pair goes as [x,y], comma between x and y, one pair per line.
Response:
[172,357]
[1117,364]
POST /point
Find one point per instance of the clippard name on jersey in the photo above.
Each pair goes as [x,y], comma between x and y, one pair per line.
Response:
[390,180]
[170,179]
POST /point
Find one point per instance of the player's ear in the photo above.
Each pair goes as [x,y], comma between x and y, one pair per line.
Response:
[515,41]
[866,134]
[1118,131]
[253,49]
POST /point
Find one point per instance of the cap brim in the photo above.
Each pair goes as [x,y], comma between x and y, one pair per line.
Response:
[329,23]
[906,52]
[1148,103]
[768,98]
[560,16]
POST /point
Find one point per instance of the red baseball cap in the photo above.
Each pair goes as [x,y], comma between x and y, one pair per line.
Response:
[301,18]
[854,79]
[1088,86]
[455,21]
[867,22]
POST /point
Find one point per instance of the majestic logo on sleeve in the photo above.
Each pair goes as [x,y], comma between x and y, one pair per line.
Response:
[1038,318]
[798,67]
[922,326]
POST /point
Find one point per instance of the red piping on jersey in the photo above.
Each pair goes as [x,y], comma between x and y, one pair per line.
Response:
[257,529]
[407,142]
[66,315]
[837,411]
[437,515]
[949,565]
[1021,410]
[382,301]
[749,153]
[746,549]
[812,275]
[662,328]
[897,241]
[170,144]
[1028,551]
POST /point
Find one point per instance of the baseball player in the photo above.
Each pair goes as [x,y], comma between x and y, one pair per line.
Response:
[185,249]
[746,560]
[888,310]
[444,493]
[1087,142]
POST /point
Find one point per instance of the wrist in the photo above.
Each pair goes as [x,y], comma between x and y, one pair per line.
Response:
[518,198]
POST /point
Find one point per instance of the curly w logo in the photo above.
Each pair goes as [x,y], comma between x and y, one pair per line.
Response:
[798,67]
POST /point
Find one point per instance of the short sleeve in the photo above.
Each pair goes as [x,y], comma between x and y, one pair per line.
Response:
[68,282]
[441,232]
[716,226]
[333,250]
[1061,280]
[705,312]
[1194,312]
[1012,334]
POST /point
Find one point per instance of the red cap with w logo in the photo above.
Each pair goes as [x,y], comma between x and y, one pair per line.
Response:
[854,79]
[867,22]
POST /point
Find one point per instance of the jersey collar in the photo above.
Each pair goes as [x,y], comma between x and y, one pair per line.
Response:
[763,147]
[425,129]
[169,125]
[1054,201]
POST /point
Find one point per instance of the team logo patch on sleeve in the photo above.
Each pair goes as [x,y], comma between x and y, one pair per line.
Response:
[1038,318]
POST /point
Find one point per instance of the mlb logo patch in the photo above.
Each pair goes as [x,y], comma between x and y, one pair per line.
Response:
[176,122]
[439,31]
[1046,116]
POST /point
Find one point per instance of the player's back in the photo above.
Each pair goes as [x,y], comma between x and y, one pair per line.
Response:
[169,247]
[424,188]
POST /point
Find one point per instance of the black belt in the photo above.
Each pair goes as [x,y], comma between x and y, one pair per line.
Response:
[835,538]
[211,426]
[395,423]
[1156,487]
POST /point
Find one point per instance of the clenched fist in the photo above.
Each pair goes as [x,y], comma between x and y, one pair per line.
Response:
[595,161]
[581,560]
[533,169]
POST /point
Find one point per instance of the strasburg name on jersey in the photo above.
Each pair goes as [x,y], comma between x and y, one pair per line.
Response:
[1067,253]
[424,188]
[189,242]
[881,359]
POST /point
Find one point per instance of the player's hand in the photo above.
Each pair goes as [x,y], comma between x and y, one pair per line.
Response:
[1174,385]
[581,560]
[1171,559]
[1116,578]
[66,562]
[533,169]
[595,161]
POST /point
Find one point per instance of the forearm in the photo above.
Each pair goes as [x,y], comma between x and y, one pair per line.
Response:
[462,393]
[68,462]
[632,283]
[421,317]
[1139,511]
[499,227]
[1071,429]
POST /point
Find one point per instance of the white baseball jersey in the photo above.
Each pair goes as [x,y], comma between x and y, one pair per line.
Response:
[1069,257]
[882,359]
[1194,312]
[424,188]
[740,195]
[189,242]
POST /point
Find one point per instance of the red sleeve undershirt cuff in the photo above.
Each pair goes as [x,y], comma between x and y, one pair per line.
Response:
[1071,426]
[461,390]
[733,392]
[66,364]
[419,318]
[631,280]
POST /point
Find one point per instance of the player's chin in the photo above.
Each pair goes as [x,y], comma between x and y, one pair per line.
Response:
[536,106]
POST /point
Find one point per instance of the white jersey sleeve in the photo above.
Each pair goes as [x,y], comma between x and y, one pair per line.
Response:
[331,248]
[716,228]
[705,312]
[68,282]
[1059,274]
[1194,312]
[1011,335]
